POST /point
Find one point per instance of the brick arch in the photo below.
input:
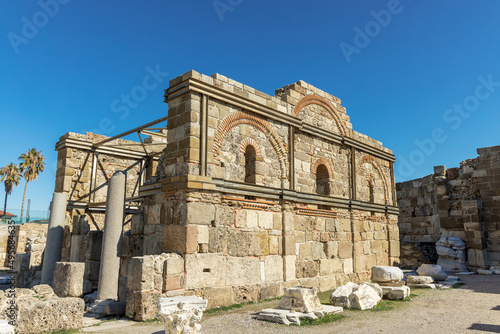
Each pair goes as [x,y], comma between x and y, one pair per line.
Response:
[242,117]
[315,99]
[322,161]
[370,159]
[252,142]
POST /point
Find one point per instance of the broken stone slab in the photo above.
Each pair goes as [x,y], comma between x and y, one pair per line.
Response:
[419,280]
[421,286]
[466,273]
[496,272]
[340,296]
[182,314]
[6,328]
[375,286]
[287,317]
[400,283]
[300,299]
[484,272]
[364,298]
[433,270]
[396,292]
[385,274]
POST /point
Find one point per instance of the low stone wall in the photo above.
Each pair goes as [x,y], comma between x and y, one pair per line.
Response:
[459,202]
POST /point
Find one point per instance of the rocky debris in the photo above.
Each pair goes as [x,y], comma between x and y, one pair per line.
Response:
[300,299]
[451,252]
[340,296]
[413,279]
[361,297]
[40,310]
[396,292]
[386,274]
[364,298]
[433,270]
[287,317]
[298,303]
[182,314]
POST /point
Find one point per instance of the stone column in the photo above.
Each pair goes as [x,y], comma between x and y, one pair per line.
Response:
[54,236]
[112,240]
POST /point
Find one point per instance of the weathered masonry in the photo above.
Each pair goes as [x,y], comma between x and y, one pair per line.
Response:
[459,202]
[250,193]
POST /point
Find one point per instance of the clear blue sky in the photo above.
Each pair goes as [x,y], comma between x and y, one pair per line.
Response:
[399,85]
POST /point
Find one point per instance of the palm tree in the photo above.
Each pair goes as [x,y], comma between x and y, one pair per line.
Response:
[32,164]
[10,176]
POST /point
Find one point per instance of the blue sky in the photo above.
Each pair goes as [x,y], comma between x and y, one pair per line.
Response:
[401,68]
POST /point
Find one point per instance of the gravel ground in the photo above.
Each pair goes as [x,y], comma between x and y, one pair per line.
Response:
[473,308]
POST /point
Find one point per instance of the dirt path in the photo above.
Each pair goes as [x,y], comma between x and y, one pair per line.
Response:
[473,308]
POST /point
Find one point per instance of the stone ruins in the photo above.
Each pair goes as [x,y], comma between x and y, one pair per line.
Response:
[452,217]
[238,196]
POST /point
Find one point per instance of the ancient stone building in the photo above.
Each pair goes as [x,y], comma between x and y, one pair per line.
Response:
[459,202]
[241,195]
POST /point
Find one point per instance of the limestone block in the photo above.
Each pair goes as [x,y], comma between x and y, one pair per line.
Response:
[266,220]
[386,274]
[200,213]
[174,265]
[203,234]
[122,290]
[68,279]
[91,270]
[330,266]
[217,297]
[331,249]
[205,270]
[287,317]
[115,309]
[289,265]
[421,286]
[300,299]
[242,270]
[348,266]
[141,273]
[396,292]
[345,250]
[413,279]
[142,305]
[317,251]
[364,298]
[378,289]
[137,224]
[273,266]
[40,316]
[433,270]
[340,296]
[484,272]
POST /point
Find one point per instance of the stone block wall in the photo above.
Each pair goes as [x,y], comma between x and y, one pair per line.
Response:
[456,202]
[251,194]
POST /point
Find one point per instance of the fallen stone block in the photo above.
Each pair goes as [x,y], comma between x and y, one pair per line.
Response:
[68,279]
[433,270]
[300,299]
[287,317]
[396,292]
[340,296]
[386,274]
[419,280]
[485,272]
[364,298]
[466,273]
[182,314]
[375,286]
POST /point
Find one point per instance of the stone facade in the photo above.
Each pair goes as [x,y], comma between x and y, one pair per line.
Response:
[459,202]
[253,193]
